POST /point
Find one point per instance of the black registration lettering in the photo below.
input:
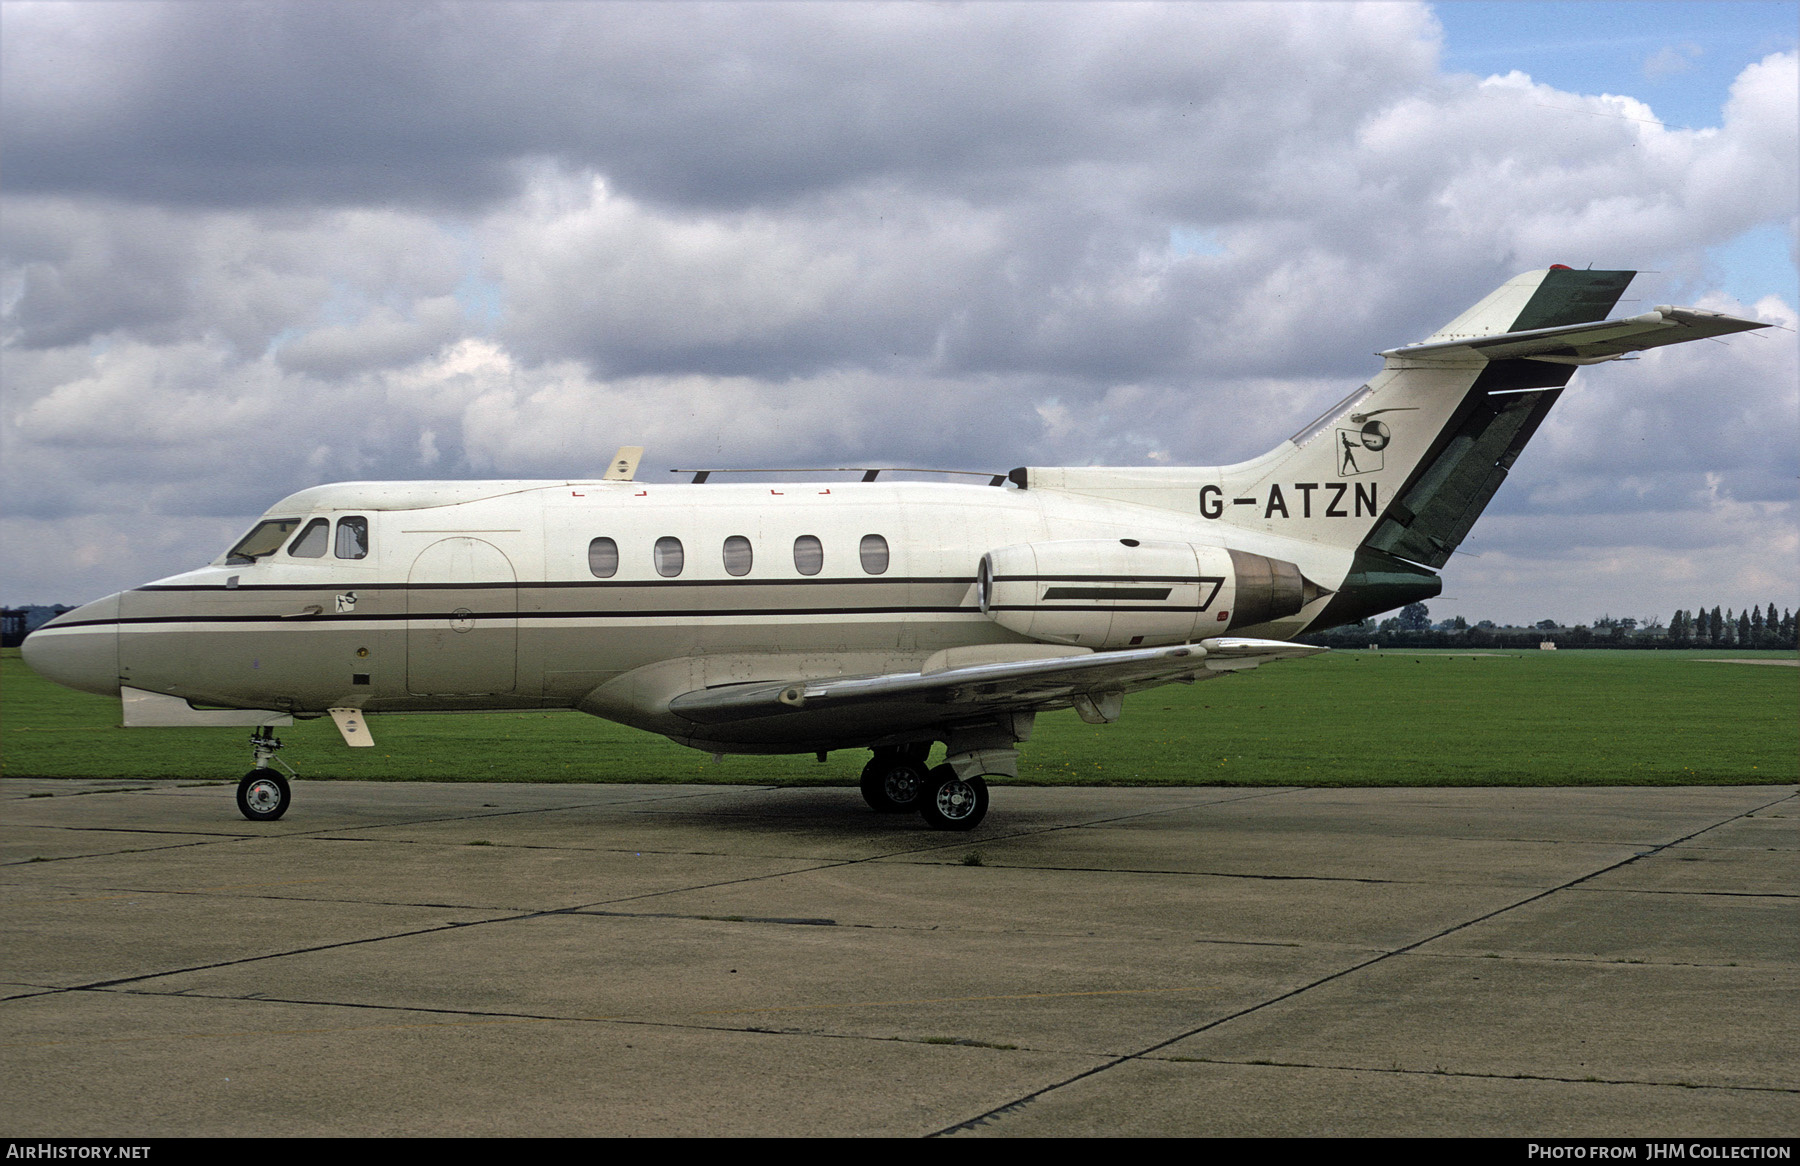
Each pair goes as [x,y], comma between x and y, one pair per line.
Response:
[1276,502]
[1306,489]
[1210,504]
[1332,508]
[1369,498]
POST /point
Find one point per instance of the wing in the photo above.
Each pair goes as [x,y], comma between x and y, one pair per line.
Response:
[1585,343]
[1092,682]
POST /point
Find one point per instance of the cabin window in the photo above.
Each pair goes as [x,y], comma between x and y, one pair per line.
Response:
[352,538]
[603,558]
[312,541]
[874,551]
[738,555]
[667,556]
[809,555]
[265,538]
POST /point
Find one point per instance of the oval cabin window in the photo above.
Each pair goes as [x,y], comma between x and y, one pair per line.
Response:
[603,558]
[668,557]
[874,551]
[809,555]
[738,555]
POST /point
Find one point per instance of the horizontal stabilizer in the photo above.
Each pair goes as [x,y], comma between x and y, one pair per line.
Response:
[1589,343]
[1011,684]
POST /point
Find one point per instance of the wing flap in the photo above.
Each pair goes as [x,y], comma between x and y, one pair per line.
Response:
[1012,683]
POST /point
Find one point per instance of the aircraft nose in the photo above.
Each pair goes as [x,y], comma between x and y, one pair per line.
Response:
[79,649]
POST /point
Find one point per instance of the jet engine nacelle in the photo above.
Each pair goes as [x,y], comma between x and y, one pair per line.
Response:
[1123,593]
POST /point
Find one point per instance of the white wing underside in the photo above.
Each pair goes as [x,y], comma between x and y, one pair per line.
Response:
[1089,680]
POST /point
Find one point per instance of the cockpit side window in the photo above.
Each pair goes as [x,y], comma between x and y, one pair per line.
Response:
[312,541]
[352,537]
[265,538]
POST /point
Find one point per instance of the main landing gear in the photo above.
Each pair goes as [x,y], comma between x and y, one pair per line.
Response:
[951,802]
[894,778]
[263,795]
[897,780]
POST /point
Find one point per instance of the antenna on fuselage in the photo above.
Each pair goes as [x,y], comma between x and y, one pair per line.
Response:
[624,464]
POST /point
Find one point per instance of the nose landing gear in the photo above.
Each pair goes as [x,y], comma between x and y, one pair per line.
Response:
[263,795]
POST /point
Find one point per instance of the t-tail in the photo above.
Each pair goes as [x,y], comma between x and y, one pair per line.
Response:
[1397,472]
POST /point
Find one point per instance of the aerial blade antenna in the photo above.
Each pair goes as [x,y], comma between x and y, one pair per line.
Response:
[625,463]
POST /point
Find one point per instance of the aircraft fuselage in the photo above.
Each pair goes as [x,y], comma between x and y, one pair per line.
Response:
[491,595]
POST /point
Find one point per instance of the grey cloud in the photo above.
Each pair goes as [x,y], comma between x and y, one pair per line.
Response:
[714,105]
[79,272]
[87,269]
[381,339]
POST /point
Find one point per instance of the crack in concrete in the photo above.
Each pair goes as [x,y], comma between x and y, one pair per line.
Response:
[998,1112]
[1471,1073]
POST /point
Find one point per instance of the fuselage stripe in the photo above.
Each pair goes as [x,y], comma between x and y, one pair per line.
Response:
[352,584]
[647,613]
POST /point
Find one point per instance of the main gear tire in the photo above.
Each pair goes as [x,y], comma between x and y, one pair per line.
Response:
[893,785]
[953,803]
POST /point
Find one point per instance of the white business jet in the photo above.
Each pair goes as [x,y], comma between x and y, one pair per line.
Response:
[887,615]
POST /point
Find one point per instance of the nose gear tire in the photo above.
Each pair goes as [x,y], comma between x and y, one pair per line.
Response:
[263,795]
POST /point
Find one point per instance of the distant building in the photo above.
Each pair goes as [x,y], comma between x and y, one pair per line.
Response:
[18,622]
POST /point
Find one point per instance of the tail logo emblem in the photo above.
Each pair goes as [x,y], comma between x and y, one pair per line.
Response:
[1360,450]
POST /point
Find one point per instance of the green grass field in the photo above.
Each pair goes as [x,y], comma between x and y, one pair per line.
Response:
[1345,718]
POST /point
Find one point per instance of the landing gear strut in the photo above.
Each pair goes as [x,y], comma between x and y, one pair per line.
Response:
[263,794]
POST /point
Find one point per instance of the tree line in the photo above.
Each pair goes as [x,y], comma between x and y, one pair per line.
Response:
[1752,628]
[1412,627]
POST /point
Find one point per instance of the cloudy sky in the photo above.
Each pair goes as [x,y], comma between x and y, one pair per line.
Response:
[251,247]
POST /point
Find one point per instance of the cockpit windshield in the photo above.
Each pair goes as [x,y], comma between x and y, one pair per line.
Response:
[265,538]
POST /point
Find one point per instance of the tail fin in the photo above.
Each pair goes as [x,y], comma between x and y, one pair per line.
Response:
[1400,470]
[1406,463]
[1425,445]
